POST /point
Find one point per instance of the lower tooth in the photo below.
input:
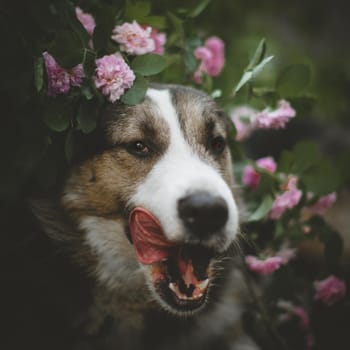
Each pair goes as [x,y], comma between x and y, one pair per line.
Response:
[201,286]
[172,287]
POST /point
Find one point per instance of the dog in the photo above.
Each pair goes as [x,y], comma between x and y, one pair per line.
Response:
[136,249]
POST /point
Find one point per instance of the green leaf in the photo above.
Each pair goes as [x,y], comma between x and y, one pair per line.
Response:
[271,98]
[251,74]
[67,49]
[39,73]
[137,10]
[303,156]
[285,163]
[247,76]
[317,173]
[69,145]
[280,230]
[87,92]
[322,178]
[258,55]
[262,210]
[56,119]
[158,22]
[207,83]
[148,64]
[189,59]
[333,243]
[303,104]
[89,58]
[258,68]
[294,80]
[198,9]
[67,10]
[137,92]
[87,116]
[269,183]
[177,31]
[105,22]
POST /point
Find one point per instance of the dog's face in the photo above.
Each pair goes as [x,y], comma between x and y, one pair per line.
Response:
[155,206]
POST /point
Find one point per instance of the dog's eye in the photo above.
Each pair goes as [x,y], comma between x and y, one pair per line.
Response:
[218,145]
[139,149]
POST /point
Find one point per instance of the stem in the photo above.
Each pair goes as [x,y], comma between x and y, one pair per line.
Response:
[263,311]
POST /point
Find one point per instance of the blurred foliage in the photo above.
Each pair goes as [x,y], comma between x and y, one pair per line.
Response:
[305,58]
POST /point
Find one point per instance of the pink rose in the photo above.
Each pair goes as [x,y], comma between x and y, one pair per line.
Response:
[267,163]
[159,39]
[76,75]
[247,119]
[242,117]
[287,255]
[251,177]
[297,311]
[211,57]
[113,76]
[323,204]
[291,183]
[287,200]
[302,315]
[310,340]
[276,119]
[86,20]
[134,39]
[263,267]
[61,80]
[330,290]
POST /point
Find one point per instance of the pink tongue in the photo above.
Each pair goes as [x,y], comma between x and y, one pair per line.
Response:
[151,245]
[148,238]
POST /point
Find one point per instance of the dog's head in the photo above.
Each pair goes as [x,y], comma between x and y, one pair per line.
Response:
[155,204]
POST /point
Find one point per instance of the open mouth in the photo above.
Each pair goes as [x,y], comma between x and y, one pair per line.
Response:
[180,273]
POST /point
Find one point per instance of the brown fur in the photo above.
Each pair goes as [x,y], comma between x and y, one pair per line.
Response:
[94,202]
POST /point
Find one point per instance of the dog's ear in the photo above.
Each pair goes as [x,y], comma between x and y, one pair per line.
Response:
[229,126]
[231,133]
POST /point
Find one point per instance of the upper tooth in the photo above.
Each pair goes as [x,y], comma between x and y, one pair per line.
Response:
[198,292]
[173,287]
[203,285]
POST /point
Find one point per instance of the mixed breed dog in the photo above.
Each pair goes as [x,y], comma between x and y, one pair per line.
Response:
[137,248]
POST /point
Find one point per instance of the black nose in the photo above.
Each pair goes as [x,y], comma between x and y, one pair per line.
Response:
[202,213]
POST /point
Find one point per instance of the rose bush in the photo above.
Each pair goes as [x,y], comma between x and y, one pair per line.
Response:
[83,54]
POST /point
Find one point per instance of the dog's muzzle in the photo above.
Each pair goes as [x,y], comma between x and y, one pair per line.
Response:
[180,271]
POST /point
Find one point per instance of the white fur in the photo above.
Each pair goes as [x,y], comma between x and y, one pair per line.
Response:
[117,266]
[179,172]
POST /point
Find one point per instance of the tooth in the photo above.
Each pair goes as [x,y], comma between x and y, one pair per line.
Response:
[198,296]
[173,287]
[203,285]
[199,288]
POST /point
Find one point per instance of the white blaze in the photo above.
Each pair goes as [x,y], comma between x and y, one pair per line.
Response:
[178,173]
